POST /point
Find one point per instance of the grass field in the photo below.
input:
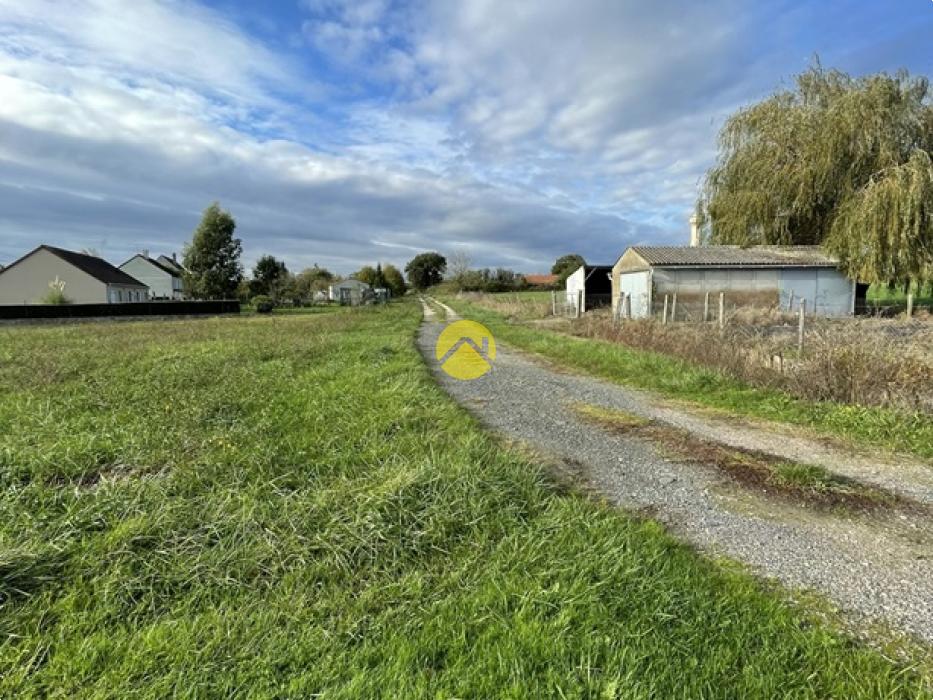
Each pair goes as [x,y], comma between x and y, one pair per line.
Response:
[910,432]
[289,507]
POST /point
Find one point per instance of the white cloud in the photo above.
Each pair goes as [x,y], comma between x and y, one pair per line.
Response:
[529,129]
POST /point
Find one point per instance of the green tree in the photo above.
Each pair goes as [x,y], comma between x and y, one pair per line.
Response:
[394,280]
[212,259]
[425,270]
[838,161]
[366,274]
[270,276]
[566,265]
[311,280]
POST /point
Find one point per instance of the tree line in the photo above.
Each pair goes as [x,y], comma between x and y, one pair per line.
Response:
[214,271]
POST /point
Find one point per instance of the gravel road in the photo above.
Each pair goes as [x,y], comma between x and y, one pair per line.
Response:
[875,568]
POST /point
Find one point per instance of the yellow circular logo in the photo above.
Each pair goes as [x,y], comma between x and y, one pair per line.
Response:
[465,350]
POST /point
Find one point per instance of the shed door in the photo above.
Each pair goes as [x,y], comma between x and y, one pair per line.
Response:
[635,285]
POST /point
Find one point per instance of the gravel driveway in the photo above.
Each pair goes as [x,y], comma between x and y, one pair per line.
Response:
[876,568]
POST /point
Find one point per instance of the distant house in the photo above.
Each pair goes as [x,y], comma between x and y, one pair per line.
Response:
[541,280]
[87,279]
[171,263]
[590,286]
[163,279]
[350,292]
[760,276]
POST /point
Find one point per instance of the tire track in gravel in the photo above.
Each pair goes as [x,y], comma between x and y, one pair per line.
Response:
[873,568]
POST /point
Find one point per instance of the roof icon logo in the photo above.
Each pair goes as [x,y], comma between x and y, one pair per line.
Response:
[465,350]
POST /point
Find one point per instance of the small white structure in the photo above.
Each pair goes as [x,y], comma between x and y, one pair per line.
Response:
[590,286]
[761,276]
[164,282]
[87,279]
[351,292]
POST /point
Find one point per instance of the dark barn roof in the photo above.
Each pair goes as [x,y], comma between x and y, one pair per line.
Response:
[97,268]
[736,256]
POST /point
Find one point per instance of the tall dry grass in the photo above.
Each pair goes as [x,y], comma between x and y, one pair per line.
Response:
[867,362]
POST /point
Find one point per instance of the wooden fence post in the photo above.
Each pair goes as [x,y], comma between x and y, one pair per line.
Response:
[800,327]
[790,305]
[910,305]
[706,308]
[722,310]
[664,316]
[674,308]
[628,306]
[579,302]
[553,302]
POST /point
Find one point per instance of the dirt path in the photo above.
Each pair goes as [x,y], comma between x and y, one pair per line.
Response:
[876,567]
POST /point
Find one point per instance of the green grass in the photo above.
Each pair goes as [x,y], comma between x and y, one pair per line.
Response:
[678,379]
[881,295]
[289,507]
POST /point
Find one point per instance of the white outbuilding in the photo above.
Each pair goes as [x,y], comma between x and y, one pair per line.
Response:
[758,276]
[350,292]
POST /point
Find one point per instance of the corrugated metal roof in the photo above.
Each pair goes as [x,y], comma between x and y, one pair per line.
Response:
[731,256]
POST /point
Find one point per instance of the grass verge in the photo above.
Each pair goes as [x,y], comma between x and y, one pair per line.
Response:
[872,426]
[288,506]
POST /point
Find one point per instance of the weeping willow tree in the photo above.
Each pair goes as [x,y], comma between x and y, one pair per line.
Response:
[838,161]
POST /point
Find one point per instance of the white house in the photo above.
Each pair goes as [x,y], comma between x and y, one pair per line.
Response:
[171,263]
[765,276]
[164,282]
[86,279]
[352,292]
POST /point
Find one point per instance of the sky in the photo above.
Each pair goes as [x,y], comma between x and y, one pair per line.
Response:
[344,133]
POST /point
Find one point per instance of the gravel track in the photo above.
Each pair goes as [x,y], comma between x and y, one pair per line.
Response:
[874,568]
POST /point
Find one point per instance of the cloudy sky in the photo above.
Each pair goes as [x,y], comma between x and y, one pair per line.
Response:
[345,132]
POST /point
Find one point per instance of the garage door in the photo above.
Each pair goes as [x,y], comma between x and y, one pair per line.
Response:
[634,285]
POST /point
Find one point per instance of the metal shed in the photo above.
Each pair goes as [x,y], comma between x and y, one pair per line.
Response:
[759,276]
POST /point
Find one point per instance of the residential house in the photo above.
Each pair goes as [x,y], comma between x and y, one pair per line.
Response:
[172,263]
[85,279]
[163,279]
[541,281]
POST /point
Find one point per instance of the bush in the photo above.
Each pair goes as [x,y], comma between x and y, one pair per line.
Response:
[56,296]
[263,304]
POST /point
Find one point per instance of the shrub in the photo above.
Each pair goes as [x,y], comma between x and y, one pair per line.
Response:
[55,296]
[263,304]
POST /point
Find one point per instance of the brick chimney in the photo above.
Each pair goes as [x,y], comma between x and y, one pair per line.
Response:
[694,231]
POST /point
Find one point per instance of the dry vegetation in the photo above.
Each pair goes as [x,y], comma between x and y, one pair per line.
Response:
[519,306]
[869,362]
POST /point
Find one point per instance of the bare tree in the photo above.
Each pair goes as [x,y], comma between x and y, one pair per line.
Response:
[458,264]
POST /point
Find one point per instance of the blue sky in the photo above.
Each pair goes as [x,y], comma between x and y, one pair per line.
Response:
[345,133]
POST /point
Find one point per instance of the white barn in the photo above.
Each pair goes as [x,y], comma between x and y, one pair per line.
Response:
[761,276]
[87,279]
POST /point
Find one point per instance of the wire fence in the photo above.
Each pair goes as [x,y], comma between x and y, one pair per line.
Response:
[875,359]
